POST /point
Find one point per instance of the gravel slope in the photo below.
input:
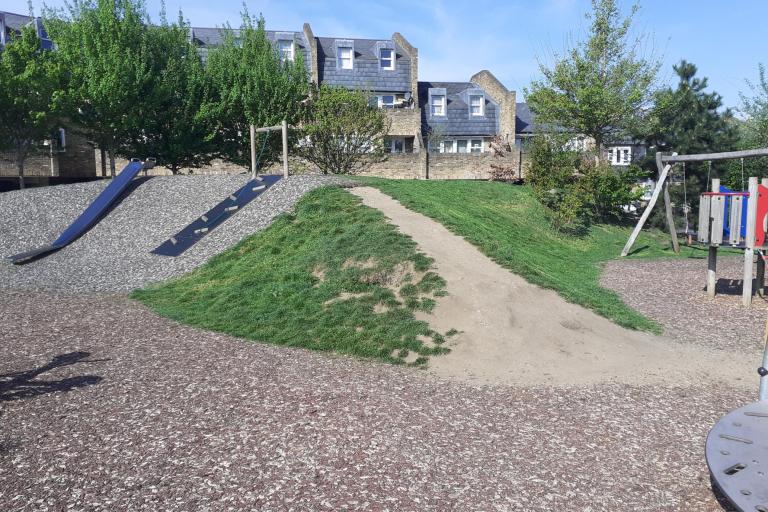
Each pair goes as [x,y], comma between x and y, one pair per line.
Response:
[158,416]
[114,254]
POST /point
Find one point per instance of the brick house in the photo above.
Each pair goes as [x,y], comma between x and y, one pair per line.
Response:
[438,129]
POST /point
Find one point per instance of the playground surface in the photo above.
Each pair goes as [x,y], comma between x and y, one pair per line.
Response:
[145,413]
[114,256]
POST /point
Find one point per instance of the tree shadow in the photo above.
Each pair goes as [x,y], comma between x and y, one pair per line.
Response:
[21,385]
[732,287]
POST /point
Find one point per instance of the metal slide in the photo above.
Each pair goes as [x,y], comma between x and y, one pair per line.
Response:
[90,216]
[214,217]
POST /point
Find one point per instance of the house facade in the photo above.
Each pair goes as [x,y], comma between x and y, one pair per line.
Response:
[448,130]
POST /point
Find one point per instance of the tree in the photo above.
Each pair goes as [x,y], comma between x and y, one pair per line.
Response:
[602,85]
[689,119]
[343,133]
[168,124]
[756,109]
[102,45]
[249,84]
[31,84]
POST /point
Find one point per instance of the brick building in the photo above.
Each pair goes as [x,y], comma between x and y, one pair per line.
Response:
[438,129]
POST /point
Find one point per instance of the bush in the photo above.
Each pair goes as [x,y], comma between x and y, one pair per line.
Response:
[577,187]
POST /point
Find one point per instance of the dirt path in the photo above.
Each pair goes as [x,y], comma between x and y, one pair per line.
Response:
[513,332]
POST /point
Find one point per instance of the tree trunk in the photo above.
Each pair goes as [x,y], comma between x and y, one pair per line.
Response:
[103,162]
[20,168]
[111,164]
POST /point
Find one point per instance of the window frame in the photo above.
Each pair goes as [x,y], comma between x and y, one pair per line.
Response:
[291,47]
[340,59]
[481,112]
[476,149]
[392,58]
[620,156]
[443,105]
[383,104]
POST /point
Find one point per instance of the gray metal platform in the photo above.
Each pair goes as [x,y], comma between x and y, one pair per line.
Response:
[737,456]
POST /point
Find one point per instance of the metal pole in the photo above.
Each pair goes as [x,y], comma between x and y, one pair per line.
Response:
[253,152]
[763,374]
[285,148]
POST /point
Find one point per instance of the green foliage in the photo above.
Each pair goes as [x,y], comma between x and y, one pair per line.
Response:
[753,131]
[314,280]
[343,133]
[31,84]
[510,226]
[600,86]
[576,187]
[688,119]
[167,124]
[248,84]
[102,45]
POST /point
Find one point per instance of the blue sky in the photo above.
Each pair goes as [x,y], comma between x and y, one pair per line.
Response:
[725,39]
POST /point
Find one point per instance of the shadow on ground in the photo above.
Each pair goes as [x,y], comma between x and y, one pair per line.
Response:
[20,385]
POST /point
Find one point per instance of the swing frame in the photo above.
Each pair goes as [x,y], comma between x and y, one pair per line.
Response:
[267,129]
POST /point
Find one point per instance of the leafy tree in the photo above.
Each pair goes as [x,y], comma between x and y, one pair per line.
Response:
[689,119]
[756,109]
[600,87]
[343,133]
[31,84]
[248,84]
[168,124]
[102,45]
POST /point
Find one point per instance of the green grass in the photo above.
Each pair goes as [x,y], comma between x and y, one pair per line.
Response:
[510,226]
[333,276]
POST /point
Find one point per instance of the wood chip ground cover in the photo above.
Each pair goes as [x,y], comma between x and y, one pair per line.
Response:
[333,276]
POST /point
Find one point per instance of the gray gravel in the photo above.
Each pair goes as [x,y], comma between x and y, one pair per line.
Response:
[147,414]
[114,255]
[671,291]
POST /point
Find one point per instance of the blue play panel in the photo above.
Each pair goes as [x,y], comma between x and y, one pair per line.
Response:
[216,216]
[88,218]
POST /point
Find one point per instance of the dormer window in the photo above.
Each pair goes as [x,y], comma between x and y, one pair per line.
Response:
[437,106]
[344,57]
[387,58]
[476,104]
[285,47]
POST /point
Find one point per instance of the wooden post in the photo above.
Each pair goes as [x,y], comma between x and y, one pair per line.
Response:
[648,209]
[712,257]
[668,207]
[749,242]
[253,152]
[285,148]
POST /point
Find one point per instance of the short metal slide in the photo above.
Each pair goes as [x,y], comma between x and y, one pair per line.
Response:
[214,217]
[89,217]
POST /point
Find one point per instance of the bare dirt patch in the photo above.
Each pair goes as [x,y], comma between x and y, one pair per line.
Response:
[513,332]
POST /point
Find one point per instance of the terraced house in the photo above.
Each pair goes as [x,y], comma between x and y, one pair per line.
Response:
[438,129]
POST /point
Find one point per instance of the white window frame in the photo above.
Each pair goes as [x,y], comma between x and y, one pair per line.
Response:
[481,111]
[387,105]
[391,59]
[620,156]
[340,58]
[471,145]
[459,144]
[442,104]
[286,56]
[476,148]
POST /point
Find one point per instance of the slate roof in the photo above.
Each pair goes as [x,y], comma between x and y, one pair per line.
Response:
[523,119]
[458,121]
[366,73]
[15,22]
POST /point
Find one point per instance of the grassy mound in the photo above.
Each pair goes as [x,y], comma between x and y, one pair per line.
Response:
[511,227]
[333,276]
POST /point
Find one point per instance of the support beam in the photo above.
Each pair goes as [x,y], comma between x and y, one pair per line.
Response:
[648,209]
[253,152]
[706,157]
[284,127]
[668,208]
[712,256]
[749,242]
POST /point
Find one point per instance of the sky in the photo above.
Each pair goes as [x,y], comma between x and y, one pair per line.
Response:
[726,39]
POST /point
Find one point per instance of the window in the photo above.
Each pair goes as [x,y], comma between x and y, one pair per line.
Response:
[387,58]
[476,104]
[438,105]
[620,156]
[344,58]
[394,145]
[285,47]
[387,101]
[477,145]
[448,146]
[461,146]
